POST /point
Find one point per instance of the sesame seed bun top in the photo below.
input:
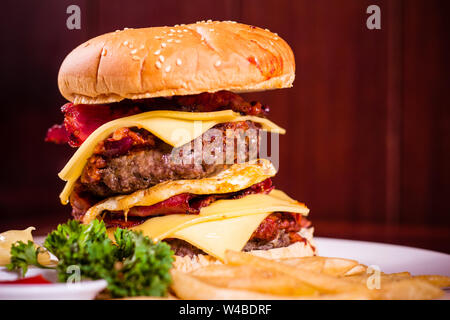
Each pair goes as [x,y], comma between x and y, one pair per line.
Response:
[180,60]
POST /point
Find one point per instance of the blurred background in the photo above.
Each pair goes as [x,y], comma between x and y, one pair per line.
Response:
[368,119]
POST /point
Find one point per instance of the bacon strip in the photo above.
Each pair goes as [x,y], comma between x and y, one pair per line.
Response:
[81,120]
[57,134]
[290,222]
[187,203]
[184,203]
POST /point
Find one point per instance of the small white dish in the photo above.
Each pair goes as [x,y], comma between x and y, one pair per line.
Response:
[84,290]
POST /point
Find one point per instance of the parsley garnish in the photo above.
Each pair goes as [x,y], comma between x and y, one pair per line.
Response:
[132,265]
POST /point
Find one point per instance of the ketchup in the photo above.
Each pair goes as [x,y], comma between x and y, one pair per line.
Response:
[30,280]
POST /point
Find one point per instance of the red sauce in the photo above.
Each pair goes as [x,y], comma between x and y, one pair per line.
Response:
[30,280]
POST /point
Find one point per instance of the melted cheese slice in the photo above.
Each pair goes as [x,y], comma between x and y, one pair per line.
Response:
[237,177]
[215,237]
[173,127]
[159,228]
[225,224]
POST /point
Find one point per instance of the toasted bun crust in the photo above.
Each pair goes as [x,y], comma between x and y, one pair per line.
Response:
[180,60]
[295,250]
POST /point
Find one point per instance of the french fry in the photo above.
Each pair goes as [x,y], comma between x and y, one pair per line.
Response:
[245,276]
[331,266]
[254,279]
[358,269]
[439,281]
[338,266]
[169,297]
[409,289]
[323,283]
[189,287]
[384,277]
[227,271]
[315,263]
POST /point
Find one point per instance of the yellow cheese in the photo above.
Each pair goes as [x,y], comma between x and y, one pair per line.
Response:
[225,224]
[237,177]
[159,228]
[173,127]
[215,237]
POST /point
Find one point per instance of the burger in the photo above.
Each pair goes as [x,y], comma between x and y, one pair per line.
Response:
[167,146]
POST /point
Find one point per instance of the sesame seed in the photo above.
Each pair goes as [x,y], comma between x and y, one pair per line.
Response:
[178,62]
[133,51]
[125,28]
[158,37]
[218,63]
[271,43]
[172,30]
[275,33]
[125,43]
[211,29]
[167,68]
[158,64]
[157,52]
[177,40]
[161,58]
[103,52]
[163,45]
[185,30]
[169,40]
[209,21]
[178,30]
[142,47]
[176,25]
[136,58]
[130,46]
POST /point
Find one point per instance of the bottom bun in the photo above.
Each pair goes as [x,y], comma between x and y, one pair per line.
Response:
[295,250]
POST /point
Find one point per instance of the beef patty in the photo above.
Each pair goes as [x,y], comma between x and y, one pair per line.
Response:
[150,163]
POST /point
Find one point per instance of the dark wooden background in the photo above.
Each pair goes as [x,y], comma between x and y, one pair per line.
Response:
[368,140]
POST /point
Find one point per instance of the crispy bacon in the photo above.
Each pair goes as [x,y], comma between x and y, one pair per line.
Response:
[81,120]
[221,100]
[57,134]
[185,203]
[291,223]
[176,204]
[188,203]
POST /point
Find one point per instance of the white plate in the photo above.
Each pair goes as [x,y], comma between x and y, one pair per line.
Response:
[389,258]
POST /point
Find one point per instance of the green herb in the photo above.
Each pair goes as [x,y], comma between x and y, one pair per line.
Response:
[24,255]
[132,265]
